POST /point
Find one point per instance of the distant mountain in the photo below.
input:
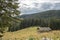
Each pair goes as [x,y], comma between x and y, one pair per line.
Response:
[38,7]
[45,14]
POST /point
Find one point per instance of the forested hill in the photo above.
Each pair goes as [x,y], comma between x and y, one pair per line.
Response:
[50,18]
[45,14]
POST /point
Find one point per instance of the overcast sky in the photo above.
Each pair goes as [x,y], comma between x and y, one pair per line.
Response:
[33,6]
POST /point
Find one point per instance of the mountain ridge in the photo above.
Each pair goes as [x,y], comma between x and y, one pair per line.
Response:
[45,14]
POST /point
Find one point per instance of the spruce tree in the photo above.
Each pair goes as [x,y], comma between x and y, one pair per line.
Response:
[8,11]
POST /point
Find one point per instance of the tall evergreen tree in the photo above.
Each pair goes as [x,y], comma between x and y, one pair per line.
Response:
[8,9]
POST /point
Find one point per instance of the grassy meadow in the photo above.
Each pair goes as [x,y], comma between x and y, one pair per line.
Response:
[31,34]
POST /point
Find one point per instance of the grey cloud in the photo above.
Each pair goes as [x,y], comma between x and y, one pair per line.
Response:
[46,6]
[42,7]
[57,6]
[29,11]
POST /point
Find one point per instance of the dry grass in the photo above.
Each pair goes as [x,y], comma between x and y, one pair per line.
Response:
[31,32]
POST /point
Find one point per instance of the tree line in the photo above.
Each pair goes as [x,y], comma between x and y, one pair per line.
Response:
[53,23]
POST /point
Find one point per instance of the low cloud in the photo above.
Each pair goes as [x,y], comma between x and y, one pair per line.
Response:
[33,6]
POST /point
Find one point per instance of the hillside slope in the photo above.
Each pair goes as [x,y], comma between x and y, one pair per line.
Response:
[30,32]
[45,14]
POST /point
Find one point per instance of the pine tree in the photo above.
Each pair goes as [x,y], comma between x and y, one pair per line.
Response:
[8,9]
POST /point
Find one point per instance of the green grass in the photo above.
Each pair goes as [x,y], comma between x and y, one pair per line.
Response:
[31,34]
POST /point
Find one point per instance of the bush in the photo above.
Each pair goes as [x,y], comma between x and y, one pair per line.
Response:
[31,38]
[55,24]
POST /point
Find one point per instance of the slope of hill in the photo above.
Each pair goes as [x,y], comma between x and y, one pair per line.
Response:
[39,19]
[45,14]
[31,32]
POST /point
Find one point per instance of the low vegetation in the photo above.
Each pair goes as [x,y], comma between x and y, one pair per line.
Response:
[31,34]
